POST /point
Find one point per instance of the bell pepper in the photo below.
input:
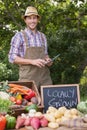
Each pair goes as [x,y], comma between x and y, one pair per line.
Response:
[19,96]
[11,122]
[30,94]
[2,122]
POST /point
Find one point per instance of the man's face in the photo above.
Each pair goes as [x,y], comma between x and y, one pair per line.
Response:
[31,21]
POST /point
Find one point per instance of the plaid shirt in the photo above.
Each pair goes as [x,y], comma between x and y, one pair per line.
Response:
[18,45]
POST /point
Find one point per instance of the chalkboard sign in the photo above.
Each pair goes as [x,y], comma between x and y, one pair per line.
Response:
[60,95]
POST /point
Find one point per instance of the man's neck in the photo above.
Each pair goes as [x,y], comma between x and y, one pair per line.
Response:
[32,30]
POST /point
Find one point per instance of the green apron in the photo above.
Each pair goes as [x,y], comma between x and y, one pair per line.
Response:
[41,76]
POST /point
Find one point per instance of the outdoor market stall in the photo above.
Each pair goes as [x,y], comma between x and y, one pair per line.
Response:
[57,108]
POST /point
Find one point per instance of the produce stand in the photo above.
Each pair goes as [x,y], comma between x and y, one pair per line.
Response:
[75,119]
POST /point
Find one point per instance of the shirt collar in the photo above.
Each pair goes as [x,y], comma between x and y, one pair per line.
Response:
[30,31]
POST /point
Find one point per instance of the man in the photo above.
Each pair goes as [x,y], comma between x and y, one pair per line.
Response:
[29,51]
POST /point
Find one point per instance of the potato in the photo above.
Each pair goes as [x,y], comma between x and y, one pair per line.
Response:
[74,111]
[62,110]
[39,114]
[58,120]
[51,109]
[58,114]
[68,114]
[53,125]
[49,117]
[63,118]
[53,114]
[74,116]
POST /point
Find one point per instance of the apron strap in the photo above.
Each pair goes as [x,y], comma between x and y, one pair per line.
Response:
[43,42]
[25,37]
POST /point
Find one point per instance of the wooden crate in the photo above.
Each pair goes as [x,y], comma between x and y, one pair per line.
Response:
[17,112]
[31,85]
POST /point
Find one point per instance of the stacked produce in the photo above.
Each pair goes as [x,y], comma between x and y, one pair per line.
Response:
[33,118]
[18,94]
[52,118]
[36,119]
[55,116]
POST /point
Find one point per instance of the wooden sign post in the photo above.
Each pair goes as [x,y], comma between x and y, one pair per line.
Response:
[60,95]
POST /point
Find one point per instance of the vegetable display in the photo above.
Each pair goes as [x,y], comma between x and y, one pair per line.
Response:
[15,96]
[52,118]
[18,94]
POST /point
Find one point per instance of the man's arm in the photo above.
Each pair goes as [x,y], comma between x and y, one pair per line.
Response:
[37,62]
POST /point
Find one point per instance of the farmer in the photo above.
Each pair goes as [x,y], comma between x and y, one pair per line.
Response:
[29,50]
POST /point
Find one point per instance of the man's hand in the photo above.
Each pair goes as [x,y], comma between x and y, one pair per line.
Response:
[38,62]
[48,61]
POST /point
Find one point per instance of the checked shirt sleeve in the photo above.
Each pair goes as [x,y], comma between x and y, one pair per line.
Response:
[16,48]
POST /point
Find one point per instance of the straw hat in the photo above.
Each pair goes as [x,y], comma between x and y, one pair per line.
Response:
[30,11]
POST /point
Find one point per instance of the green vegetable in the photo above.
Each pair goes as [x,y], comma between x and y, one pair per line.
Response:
[82,106]
[11,122]
[32,106]
[5,105]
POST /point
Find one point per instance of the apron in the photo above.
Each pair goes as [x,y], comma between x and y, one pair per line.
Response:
[41,76]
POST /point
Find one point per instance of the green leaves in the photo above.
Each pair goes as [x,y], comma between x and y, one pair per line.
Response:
[4,72]
[5,105]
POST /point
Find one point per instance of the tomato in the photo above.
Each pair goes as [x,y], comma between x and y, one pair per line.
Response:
[2,122]
[18,102]
[13,99]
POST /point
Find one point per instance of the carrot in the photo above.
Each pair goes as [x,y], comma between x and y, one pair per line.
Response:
[15,85]
[20,90]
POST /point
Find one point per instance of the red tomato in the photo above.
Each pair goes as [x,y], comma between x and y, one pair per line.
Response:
[13,99]
[18,102]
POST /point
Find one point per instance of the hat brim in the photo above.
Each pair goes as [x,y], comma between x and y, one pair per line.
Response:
[24,16]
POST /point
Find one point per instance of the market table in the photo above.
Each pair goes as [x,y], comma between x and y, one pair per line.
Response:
[60,128]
